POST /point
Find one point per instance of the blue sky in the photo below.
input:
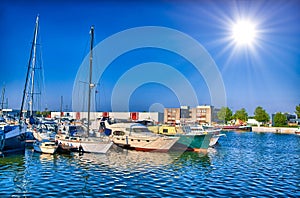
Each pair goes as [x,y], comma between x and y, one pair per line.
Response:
[265,73]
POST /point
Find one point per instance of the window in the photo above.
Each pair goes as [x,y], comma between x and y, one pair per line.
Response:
[119,133]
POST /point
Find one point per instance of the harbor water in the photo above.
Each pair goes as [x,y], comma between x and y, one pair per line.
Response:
[243,164]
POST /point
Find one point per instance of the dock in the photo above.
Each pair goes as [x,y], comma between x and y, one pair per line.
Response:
[283,130]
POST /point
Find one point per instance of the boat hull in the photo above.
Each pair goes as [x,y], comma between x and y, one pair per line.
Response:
[42,147]
[214,139]
[154,144]
[88,145]
[14,140]
[193,142]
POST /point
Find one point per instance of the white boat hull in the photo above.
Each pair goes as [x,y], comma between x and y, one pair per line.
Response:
[214,139]
[143,143]
[89,145]
[44,147]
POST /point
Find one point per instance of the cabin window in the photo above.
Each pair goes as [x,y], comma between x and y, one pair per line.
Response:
[140,130]
[147,140]
[132,140]
[120,133]
[165,130]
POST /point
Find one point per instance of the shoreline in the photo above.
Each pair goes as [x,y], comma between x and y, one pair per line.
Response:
[282,130]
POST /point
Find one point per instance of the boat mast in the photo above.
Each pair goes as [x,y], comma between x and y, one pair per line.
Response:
[61,111]
[91,85]
[30,62]
[2,101]
[33,72]
[2,98]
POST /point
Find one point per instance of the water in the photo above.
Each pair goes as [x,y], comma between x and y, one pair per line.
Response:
[242,165]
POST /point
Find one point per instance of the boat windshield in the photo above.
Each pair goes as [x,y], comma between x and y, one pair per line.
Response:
[140,130]
[76,130]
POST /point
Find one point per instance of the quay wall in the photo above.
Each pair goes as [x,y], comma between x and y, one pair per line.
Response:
[283,130]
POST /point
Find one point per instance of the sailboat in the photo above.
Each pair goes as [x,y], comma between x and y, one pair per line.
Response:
[13,136]
[30,90]
[97,144]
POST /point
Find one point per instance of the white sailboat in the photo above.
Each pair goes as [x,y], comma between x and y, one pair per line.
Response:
[97,144]
[29,93]
[13,136]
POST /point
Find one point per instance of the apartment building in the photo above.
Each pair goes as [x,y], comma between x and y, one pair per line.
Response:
[171,115]
[199,114]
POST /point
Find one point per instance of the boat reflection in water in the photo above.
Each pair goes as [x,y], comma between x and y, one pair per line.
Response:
[125,159]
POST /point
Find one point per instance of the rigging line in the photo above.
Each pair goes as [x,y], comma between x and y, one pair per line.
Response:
[42,87]
[28,68]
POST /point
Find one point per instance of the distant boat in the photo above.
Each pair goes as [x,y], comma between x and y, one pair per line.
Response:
[236,128]
[47,147]
[138,137]
[85,143]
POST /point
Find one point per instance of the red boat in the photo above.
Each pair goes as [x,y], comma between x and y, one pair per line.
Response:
[237,128]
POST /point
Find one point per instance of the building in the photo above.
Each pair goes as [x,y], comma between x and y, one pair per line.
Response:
[290,119]
[122,116]
[171,115]
[185,112]
[202,114]
[198,114]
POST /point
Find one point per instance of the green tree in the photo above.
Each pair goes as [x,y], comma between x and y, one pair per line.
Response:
[261,115]
[241,115]
[225,114]
[43,113]
[279,119]
[298,111]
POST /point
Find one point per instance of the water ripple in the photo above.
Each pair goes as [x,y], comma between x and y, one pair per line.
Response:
[242,165]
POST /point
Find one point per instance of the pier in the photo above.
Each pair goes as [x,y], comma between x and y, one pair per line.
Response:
[283,130]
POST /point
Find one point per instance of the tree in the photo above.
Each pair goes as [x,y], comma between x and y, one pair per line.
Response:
[261,115]
[43,113]
[225,114]
[241,115]
[279,119]
[298,111]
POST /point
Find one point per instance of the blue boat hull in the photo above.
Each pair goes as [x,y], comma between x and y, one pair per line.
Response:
[13,143]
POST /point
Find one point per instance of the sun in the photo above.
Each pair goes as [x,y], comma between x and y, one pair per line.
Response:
[244,32]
